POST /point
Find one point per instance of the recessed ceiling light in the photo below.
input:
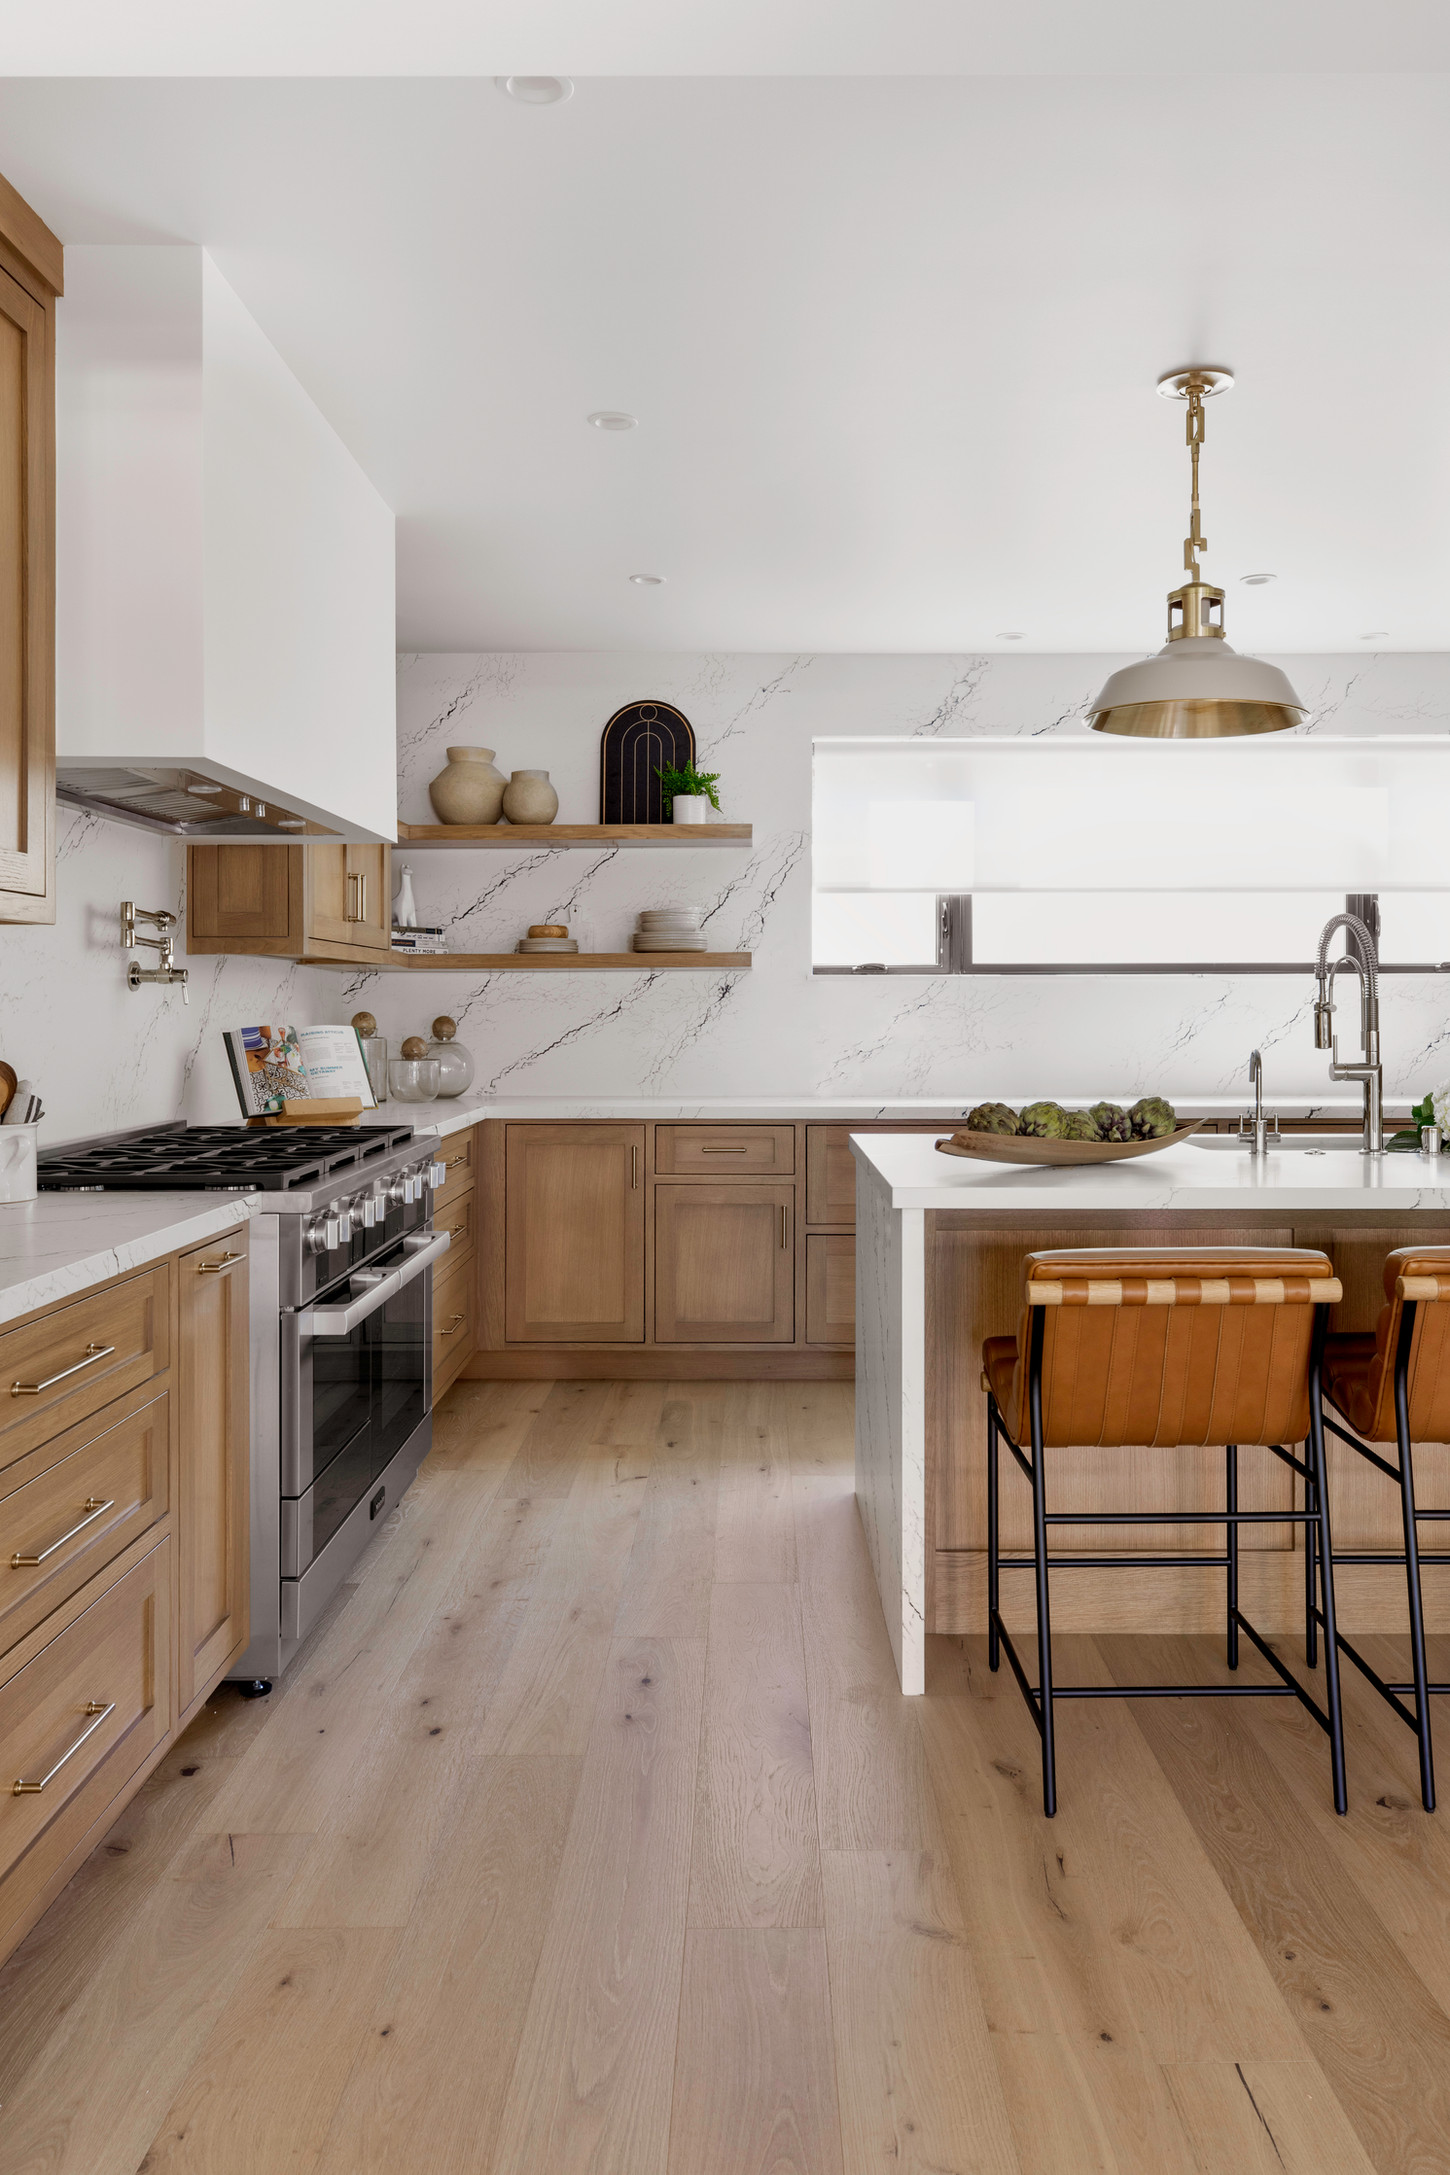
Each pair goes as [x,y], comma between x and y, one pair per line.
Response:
[535,90]
[1011,634]
[1257,581]
[1375,634]
[648,581]
[612,419]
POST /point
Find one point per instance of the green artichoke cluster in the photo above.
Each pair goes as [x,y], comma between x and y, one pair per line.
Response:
[1151,1118]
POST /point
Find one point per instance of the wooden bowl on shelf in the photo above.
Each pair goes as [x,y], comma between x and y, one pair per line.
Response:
[549,928]
[1023,1148]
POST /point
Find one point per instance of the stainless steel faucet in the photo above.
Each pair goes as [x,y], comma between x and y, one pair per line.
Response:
[1254,1128]
[168,974]
[1370,1072]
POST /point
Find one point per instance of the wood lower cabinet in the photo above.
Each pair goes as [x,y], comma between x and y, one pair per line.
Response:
[290,902]
[215,1466]
[574,1231]
[724,1264]
[831,1288]
[30,280]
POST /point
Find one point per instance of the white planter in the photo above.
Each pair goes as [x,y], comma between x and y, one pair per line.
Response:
[692,808]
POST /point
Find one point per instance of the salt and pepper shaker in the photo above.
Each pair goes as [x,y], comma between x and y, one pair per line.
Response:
[375,1053]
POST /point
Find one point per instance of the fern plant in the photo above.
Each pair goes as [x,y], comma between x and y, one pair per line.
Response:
[688,780]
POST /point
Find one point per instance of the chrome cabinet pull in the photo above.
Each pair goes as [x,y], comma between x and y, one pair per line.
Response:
[93,1508]
[33,1389]
[218,1268]
[23,1788]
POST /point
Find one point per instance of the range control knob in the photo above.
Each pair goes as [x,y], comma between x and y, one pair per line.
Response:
[322,1234]
[370,1209]
[437,1172]
[401,1191]
[344,1224]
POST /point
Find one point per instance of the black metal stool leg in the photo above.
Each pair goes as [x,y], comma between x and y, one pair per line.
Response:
[994,1643]
[1412,1558]
[1231,1492]
[1039,1550]
[1311,1566]
[1326,1558]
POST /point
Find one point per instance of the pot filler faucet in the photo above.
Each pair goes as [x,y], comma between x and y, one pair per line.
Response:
[1370,1072]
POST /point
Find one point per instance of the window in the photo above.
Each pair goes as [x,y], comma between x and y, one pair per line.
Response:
[1100,856]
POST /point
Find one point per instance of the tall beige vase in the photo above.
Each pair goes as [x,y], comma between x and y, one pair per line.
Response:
[529,798]
[470,790]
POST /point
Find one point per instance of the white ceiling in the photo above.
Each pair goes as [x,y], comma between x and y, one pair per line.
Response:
[892,341]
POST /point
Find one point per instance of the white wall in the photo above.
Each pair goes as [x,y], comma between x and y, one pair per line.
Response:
[779,1029]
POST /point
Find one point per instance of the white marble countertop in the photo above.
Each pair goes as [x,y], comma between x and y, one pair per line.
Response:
[1176,1178]
[63,1243]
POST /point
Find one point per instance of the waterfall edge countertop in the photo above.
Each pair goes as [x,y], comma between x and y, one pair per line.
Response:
[63,1243]
[902,1178]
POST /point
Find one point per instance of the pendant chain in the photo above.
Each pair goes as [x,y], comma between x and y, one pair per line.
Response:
[1195,541]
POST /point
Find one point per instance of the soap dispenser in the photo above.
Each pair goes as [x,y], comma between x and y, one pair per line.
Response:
[455,1065]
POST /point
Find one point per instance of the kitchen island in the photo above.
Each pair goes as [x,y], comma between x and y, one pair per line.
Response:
[939,1249]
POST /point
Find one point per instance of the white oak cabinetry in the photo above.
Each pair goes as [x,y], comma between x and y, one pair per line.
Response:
[329,903]
[574,1234]
[30,280]
[123,1549]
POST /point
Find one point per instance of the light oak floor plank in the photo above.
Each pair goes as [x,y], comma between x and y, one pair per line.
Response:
[754,1523]
[755,2082]
[591,2086]
[1264,2118]
[666,1593]
[756,1850]
[427,2090]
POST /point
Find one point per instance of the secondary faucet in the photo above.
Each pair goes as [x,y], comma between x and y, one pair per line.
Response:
[167,973]
[1254,1129]
[1370,1072]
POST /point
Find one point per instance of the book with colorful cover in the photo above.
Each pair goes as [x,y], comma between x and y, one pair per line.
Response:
[272,1065]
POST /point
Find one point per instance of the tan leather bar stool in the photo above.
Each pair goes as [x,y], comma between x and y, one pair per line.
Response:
[1167,1347]
[1394,1387]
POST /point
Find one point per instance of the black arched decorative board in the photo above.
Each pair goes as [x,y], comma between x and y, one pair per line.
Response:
[639,740]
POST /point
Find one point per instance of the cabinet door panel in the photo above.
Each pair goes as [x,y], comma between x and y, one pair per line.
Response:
[724,1264]
[215,1460]
[831,1288]
[27,609]
[347,896]
[246,893]
[830,1175]
[574,1234]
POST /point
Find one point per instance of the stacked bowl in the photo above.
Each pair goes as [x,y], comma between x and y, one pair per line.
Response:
[548,936]
[670,929]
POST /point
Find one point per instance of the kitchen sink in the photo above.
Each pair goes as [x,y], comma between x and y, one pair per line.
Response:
[1291,1144]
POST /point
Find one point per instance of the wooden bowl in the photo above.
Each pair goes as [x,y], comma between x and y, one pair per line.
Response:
[549,928]
[1019,1148]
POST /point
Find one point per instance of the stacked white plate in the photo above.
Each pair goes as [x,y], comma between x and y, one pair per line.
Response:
[670,929]
[547,944]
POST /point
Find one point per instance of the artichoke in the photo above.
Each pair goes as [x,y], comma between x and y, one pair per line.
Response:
[1043,1121]
[991,1118]
[1081,1125]
[1153,1118]
[1112,1121]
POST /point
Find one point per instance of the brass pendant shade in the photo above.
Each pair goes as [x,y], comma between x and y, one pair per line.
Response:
[1197,687]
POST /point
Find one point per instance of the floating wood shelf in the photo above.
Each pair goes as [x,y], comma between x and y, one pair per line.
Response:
[546,962]
[512,836]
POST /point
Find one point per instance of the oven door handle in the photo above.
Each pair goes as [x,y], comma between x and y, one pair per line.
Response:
[341,1321]
[422,1256]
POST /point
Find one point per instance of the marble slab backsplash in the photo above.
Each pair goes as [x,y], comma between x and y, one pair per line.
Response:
[105,1056]
[778,1029]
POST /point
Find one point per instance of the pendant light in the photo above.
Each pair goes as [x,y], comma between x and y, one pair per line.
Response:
[1197,687]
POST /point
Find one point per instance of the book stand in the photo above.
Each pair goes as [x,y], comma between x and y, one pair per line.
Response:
[313,1110]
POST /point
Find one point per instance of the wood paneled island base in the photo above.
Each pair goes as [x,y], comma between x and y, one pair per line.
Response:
[939,1253]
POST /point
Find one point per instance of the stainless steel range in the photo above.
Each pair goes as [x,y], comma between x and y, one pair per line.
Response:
[342,1251]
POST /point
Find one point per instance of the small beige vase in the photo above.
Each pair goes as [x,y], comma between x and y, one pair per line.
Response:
[529,798]
[470,790]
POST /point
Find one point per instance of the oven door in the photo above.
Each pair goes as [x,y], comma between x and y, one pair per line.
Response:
[357,1384]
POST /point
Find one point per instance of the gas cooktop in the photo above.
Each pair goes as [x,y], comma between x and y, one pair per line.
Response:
[217,1158]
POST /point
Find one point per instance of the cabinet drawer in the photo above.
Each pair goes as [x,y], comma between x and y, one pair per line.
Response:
[454,1317]
[115,1655]
[831,1288]
[456,1218]
[75,1503]
[456,1154]
[725,1151]
[55,1371]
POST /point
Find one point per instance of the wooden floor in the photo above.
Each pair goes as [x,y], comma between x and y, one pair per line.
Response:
[591,1833]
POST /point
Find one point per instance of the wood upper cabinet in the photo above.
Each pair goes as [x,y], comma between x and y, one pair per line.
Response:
[574,1234]
[724,1264]
[289,902]
[30,279]
[213,1493]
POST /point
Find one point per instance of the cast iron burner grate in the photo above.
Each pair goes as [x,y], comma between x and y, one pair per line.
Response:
[218,1158]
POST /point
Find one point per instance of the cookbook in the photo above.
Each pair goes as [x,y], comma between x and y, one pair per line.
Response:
[272,1065]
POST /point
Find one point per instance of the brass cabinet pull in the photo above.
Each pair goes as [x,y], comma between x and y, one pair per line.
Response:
[784,1224]
[357,901]
[33,1389]
[454,1161]
[23,1788]
[93,1508]
[362,896]
[217,1268]
[634,1170]
[454,1326]
[455,1228]
[740,1148]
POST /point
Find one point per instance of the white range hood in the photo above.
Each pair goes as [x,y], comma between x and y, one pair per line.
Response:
[224,571]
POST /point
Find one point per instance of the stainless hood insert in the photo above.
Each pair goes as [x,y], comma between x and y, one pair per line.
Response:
[178,802]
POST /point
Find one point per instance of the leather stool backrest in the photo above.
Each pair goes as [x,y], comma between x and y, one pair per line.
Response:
[1172,1345]
[1421,1274]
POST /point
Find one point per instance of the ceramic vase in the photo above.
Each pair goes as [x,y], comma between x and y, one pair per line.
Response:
[691,808]
[470,790]
[529,798]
